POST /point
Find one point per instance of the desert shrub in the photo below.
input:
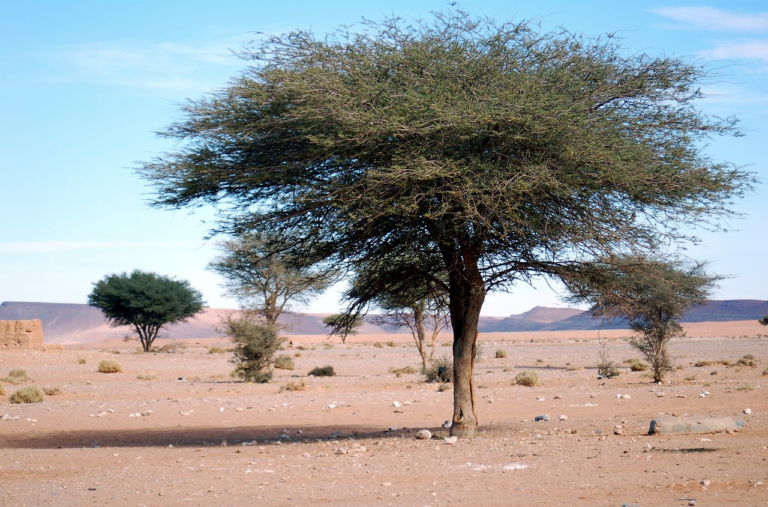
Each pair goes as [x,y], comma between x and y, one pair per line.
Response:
[284,362]
[703,363]
[748,360]
[391,344]
[301,347]
[637,365]
[447,344]
[378,345]
[327,347]
[2,390]
[53,391]
[171,348]
[30,394]
[297,354]
[407,370]
[539,360]
[109,366]
[217,350]
[574,367]
[146,376]
[508,369]
[441,368]
[444,387]
[293,386]
[746,386]
[322,371]
[527,379]
[606,368]
[81,360]
[18,375]
[501,354]
[256,343]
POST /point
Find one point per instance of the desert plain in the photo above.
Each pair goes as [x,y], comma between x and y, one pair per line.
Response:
[175,428]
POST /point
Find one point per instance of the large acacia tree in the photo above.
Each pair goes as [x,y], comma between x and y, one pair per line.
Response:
[492,152]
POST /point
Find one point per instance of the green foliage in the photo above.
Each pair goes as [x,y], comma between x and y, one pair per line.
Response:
[343,325]
[651,294]
[259,274]
[322,371]
[439,369]
[453,148]
[501,354]
[256,343]
[109,366]
[284,362]
[146,302]
[29,394]
[527,379]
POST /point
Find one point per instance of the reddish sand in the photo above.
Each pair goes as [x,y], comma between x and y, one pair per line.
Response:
[207,439]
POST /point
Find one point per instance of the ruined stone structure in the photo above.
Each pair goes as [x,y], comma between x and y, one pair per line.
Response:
[21,334]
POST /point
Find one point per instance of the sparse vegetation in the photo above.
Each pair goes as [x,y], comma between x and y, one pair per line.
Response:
[30,394]
[574,367]
[501,354]
[391,344]
[16,376]
[636,365]
[444,387]
[81,360]
[606,368]
[378,345]
[748,360]
[407,370]
[508,369]
[322,371]
[53,391]
[527,379]
[217,350]
[765,371]
[293,386]
[441,368]
[171,348]
[301,347]
[109,366]
[284,362]
[146,376]
[746,386]
[447,344]
[2,389]
[297,354]
[256,343]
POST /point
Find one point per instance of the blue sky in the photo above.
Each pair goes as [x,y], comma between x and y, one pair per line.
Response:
[85,84]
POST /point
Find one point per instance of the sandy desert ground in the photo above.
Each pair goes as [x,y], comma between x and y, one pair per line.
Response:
[193,436]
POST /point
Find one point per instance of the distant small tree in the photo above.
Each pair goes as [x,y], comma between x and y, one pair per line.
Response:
[256,343]
[262,277]
[147,302]
[764,321]
[342,326]
[651,294]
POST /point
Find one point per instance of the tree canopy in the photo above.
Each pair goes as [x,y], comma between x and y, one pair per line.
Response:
[146,302]
[264,280]
[651,294]
[488,152]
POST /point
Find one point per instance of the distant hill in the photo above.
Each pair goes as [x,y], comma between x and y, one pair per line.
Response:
[63,322]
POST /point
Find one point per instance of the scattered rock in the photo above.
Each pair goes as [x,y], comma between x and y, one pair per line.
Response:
[540,398]
[424,435]
[396,404]
[562,418]
[451,440]
[447,424]
[705,482]
[747,411]
[544,417]
[386,484]
[146,413]
[691,425]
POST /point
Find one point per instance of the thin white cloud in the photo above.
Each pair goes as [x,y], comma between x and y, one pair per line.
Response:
[166,66]
[711,18]
[746,50]
[30,247]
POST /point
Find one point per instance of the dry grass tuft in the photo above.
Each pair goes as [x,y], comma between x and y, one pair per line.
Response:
[527,379]
[30,394]
[746,386]
[293,386]
[284,362]
[501,354]
[110,366]
[81,360]
[53,391]
[217,350]
[407,370]
[322,371]
[146,376]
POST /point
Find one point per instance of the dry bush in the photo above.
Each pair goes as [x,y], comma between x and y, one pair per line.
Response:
[444,387]
[447,344]
[30,394]
[110,366]
[284,362]
[391,344]
[501,354]
[301,347]
[171,348]
[378,345]
[407,370]
[606,368]
[53,391]
[146,376]
[703,363]
[327,347]
[527,379]
[322,371]
[746,386]
[293,386]
[297,354]
[16,376]
[748,360]
[2,390]
[217,350]
[81,360]
[637,365]
[574,367]
[441,368]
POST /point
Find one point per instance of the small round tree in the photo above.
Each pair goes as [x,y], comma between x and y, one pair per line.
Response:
[256,342]
[146,302]
[764,321]
[651,294]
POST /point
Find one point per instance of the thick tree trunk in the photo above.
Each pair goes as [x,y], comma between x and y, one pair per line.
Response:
[465,315]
